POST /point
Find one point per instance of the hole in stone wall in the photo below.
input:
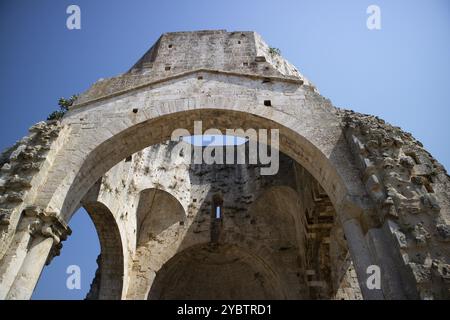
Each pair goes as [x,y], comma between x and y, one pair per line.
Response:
[267,103]
[199,78]
[128,159]
[217,206]
[428,188]
[245,64]
[214,140]
[170,46]
[135,110]
[167,68]
[218,212]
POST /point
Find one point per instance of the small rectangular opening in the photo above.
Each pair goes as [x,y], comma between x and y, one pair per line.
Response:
[167,68]
[128,159]
[245,64]
[267,103]
[218,212]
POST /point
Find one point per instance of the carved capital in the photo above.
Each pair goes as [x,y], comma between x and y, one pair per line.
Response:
[49,225]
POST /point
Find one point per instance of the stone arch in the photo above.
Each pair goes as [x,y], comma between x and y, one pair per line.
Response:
[158,215]
[199,271]
[307,221]
[284,201]
[108,281]
[138,136]
[255,89]
[310,135]
[157,211]
[277,216]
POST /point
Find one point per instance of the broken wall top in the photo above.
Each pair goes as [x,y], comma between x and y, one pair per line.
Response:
[178,53]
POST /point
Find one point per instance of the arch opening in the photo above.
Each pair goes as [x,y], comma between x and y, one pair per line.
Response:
[157,211]
[142,135]
[108,281]
[215,272]
[159,218]
[70,275]
[287,221]
[324,165]
[215,140]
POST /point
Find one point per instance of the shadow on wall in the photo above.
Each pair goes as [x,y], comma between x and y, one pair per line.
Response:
[258,242]
[215,272]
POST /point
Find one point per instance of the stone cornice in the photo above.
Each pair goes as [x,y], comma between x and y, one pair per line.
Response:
[288,79]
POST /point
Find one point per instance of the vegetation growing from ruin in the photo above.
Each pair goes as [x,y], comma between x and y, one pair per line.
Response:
[274,51]
[64,105]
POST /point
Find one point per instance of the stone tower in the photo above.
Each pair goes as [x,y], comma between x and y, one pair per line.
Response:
[352,192]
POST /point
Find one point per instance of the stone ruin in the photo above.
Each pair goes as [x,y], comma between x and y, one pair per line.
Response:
[352,191]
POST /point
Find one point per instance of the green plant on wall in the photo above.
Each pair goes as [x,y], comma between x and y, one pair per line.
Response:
[274,51]
[64,105]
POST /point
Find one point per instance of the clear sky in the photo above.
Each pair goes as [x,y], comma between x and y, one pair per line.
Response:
[400,73]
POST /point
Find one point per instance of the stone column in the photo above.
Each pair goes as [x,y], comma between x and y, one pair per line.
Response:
[47,231]
[13,259]
[385,243]
[361,257]
[31,269]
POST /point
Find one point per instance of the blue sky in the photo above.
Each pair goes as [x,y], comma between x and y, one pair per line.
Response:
[400,73]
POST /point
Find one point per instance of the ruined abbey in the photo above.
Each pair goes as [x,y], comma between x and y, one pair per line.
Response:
[352,194]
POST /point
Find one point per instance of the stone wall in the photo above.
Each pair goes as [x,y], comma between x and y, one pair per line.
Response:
[353,184]
[165,205]
[411,194]
[179,53]
[22,166]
